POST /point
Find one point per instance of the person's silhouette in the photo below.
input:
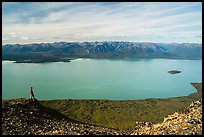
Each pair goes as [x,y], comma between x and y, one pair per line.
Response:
[31,93]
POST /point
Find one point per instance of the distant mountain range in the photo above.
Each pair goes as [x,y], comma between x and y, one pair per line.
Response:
[64,51]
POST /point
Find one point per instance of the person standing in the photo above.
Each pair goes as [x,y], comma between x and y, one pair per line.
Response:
[31,93]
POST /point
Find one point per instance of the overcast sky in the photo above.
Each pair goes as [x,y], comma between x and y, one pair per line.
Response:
[36,22]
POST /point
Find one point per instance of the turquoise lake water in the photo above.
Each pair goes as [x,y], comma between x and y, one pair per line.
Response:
[101,79]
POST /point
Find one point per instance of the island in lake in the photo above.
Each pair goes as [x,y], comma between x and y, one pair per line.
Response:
[174,71]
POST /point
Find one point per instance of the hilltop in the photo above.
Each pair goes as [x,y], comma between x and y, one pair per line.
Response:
[179,115]
[23,116]
[66,51]
[19,119]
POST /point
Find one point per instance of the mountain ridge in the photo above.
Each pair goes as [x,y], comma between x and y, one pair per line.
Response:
[57,51]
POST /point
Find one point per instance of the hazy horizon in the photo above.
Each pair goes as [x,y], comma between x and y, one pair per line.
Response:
[99,41]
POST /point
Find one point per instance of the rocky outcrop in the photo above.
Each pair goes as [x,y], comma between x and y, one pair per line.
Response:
[186,122]
[31,118]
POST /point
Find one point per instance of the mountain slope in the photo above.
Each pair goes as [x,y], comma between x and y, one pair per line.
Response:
[26,117]
[121,114]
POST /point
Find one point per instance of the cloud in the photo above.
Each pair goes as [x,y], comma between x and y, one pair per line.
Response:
[131,21]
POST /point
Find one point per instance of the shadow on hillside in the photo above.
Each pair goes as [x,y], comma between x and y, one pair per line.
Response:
[35,105]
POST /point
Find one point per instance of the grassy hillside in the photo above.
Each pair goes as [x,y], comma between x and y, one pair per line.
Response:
[123,114]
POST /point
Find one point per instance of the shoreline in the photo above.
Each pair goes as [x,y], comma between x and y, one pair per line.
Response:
[194,84]
[70,59]
[119,114]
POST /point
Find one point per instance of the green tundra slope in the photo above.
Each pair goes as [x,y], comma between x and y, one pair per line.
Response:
[123,114]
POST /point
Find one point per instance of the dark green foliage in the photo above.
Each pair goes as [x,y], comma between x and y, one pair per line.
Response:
[122,114]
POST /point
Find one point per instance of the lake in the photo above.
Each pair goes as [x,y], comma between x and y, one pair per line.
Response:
[101,79]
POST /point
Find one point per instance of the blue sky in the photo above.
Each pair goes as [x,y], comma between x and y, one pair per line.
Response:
[163,22]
